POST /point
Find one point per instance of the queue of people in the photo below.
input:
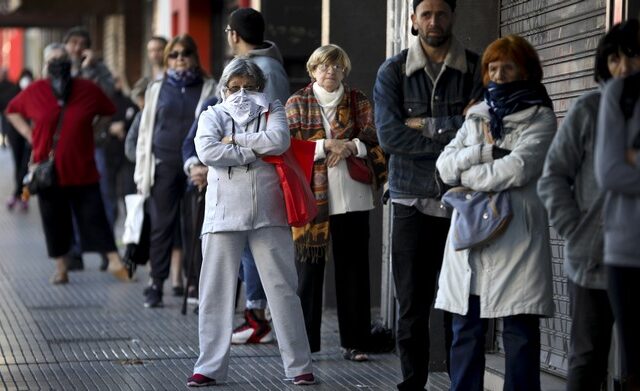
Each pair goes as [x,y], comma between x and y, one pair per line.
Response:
[445,117]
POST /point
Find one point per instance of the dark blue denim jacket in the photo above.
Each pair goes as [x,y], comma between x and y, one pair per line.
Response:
[404,90]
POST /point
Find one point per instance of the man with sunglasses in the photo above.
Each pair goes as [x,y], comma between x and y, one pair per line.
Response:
[245,35]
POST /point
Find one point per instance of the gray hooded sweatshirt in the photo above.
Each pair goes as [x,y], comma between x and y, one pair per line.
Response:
[268,58]
[571,195]
[619,179]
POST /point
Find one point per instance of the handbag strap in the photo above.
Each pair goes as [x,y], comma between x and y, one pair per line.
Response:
[352,108]
[56,135]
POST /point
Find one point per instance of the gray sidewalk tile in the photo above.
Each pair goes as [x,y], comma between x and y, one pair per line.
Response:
[94,334]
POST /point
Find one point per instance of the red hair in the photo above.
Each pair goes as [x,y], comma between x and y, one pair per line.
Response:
[513,48]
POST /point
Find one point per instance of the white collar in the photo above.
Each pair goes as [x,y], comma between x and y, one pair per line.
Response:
[327,99]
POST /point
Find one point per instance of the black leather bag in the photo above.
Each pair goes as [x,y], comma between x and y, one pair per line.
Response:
[41,177]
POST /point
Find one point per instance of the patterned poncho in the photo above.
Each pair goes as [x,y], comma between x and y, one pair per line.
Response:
[304,116]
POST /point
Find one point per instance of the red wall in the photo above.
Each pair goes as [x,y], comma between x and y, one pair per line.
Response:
[200,30]
[194,18]
[12,51]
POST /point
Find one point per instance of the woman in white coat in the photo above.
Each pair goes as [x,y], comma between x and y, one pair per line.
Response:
[501,147]
[245,205]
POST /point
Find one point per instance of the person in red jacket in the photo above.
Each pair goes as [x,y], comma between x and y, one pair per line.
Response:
[73,105]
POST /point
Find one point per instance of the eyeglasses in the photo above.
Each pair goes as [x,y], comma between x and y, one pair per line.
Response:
[227,29]
[234,89]
[175,54]
[325,68]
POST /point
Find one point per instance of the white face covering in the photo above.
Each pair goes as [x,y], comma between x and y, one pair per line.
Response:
[24,83]
[244,106]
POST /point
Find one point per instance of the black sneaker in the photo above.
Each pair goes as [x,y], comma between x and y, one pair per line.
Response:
[153,297]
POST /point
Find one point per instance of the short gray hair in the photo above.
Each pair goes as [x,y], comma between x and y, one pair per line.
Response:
[46,53]
[242,66]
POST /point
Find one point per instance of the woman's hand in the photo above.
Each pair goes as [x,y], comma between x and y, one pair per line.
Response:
[343,148]
[227,140]
[338,149]
[488,138]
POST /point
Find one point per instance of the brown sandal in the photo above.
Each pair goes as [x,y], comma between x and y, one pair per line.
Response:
[59,278]
[354,355]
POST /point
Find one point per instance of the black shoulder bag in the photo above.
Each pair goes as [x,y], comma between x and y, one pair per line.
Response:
[42,176]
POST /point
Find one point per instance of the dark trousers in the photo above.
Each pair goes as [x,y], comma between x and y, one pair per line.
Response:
[58,204]
[521,337]
[417,249]
[624,296]
[21,154]
[591,326]
[164,210]
[350,245]
[193,216]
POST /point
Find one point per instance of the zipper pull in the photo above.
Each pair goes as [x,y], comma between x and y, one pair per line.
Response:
[183,90]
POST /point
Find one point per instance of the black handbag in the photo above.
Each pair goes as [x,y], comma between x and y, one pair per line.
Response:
[42,176]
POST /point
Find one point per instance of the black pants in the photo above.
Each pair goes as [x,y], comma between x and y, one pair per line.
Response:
[21,153]
[624,297]
[417,249]
[164,210]
[591,326]
[56,207]
[192,218]
[350,244]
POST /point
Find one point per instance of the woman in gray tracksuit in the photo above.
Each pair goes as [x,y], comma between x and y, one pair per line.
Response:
[245,204]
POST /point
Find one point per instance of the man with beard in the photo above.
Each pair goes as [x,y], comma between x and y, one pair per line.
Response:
[420,98]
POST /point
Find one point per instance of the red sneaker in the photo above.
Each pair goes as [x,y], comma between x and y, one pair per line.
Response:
[304,380]
[198,380]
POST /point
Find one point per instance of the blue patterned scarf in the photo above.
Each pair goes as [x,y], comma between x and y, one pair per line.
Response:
[508,98]
[183,78]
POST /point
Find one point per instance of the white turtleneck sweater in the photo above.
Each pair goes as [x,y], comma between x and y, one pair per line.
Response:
[345,194]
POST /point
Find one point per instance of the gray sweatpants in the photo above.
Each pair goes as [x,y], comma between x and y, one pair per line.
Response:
[273,250]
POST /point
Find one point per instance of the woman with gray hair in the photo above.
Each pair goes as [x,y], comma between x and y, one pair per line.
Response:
[245,205]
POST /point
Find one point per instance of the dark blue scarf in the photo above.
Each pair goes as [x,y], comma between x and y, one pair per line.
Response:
[183,78]
[508,98]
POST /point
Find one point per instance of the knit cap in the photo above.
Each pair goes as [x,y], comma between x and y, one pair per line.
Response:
[452,5]
[249,24]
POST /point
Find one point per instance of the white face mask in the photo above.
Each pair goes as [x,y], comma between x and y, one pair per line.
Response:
[24,83]
[244,106]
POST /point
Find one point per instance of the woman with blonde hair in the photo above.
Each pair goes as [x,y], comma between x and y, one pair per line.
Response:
[501,148]
[339,120]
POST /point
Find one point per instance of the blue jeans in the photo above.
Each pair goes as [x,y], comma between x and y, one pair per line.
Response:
[101,164]
[521,339]
[256,298]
